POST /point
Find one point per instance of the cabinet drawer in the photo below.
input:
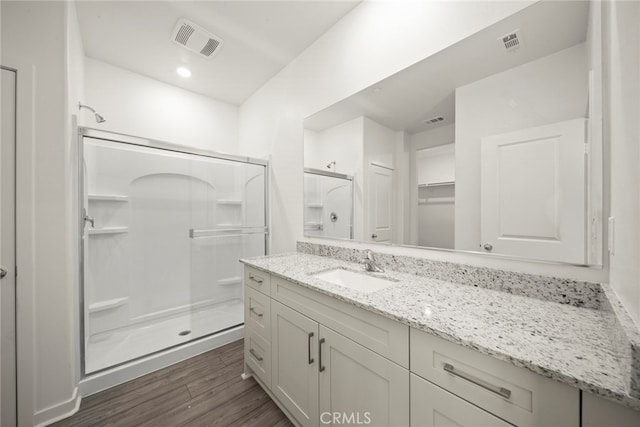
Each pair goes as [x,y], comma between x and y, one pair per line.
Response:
[257,312]
[384,336]
[432,406]
[511,393]
[257,279]
[257,355]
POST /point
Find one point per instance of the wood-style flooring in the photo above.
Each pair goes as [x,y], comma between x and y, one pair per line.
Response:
[205,390]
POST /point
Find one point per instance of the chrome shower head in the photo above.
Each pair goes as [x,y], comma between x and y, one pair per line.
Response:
[99,118]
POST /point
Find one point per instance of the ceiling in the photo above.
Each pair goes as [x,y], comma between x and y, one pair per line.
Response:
[427,89]
[260,38]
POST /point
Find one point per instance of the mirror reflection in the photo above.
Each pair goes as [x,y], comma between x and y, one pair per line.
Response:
[491,145]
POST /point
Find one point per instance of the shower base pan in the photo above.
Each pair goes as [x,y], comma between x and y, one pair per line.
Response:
[113,348]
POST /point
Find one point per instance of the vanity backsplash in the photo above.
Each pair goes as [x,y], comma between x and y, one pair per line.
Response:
[554,289]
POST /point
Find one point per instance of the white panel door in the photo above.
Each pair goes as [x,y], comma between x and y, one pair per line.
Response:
[7,252]
[358,386]
[533,192]
[294,372]
[432,406]
[380,203]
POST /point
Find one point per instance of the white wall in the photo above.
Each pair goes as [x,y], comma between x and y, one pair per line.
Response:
[141,106]
[345,60]
[341,143]
[623,134]
[46,349]
[544,91]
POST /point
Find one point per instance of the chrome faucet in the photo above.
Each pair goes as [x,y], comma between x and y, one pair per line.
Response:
[370,263]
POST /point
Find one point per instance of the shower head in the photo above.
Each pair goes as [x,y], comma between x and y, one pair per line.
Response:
[99,118]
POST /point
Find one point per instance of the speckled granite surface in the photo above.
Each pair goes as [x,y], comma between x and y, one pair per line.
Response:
[560,341]
[563,291]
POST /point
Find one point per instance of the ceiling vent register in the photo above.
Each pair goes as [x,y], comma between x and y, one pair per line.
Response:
[511,41]
[196,39]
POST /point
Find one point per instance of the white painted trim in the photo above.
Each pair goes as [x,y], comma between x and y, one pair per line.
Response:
[58,412]
[25,247]
[120,374]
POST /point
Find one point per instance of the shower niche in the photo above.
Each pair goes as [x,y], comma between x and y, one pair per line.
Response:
[163,232]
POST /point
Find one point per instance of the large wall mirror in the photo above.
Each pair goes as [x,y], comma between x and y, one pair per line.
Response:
[492,145]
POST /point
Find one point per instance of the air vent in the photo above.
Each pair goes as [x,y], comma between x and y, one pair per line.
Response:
[195,38]
[434,120]
[511,41]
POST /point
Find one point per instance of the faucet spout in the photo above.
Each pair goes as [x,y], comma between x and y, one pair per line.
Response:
[370,263]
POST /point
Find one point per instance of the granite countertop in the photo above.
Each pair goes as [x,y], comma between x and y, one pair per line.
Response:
[568,344]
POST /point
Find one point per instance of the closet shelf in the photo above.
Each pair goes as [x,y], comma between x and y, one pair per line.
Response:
[110,304]
[437,184]
[109,197]
[229,202]
[108,230]
[315,205]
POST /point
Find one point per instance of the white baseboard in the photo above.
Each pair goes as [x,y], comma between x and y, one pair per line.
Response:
[58,412]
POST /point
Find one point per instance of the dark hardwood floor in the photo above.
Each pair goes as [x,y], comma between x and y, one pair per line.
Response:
[205,390]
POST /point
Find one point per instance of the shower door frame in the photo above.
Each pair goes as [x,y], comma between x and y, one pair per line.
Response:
[330,174]
[160,145]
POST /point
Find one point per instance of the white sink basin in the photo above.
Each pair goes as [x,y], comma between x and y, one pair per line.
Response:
[358,281]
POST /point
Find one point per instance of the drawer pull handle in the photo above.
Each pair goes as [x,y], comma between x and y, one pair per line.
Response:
[309,358]
[252,277]
[253,310]
[254,354]
[501,391]
[320,365]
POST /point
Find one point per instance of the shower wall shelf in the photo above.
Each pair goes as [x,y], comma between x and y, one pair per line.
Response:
[109,197]
[229,202]
[227,281]
[108,230]
[110,304]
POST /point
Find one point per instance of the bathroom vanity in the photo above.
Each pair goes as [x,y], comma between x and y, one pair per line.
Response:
[421,351]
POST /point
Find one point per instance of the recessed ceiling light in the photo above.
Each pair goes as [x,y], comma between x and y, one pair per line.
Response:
[183,72]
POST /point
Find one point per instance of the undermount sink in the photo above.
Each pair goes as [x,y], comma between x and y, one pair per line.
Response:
[361,282]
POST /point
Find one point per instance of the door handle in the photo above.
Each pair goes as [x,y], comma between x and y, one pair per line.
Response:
[309,358]
[374,236]
[3,272]
[320,365]
[487,246]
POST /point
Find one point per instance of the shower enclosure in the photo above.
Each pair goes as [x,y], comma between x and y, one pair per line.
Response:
[163,230]
[328,204]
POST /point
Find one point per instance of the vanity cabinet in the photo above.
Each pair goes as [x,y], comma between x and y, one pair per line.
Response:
[432,406]
[327,362]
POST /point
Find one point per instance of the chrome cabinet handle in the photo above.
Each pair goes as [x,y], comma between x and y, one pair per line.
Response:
[253,310]
[3,272]
[309,358]
[252,277]
[501,391]
[320,365]
[254,354]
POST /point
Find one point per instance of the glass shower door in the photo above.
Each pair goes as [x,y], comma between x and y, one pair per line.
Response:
[163,234]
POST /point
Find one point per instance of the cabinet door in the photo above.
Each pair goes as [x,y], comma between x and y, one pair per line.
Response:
[358,386]
[295,366]
[432,406]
